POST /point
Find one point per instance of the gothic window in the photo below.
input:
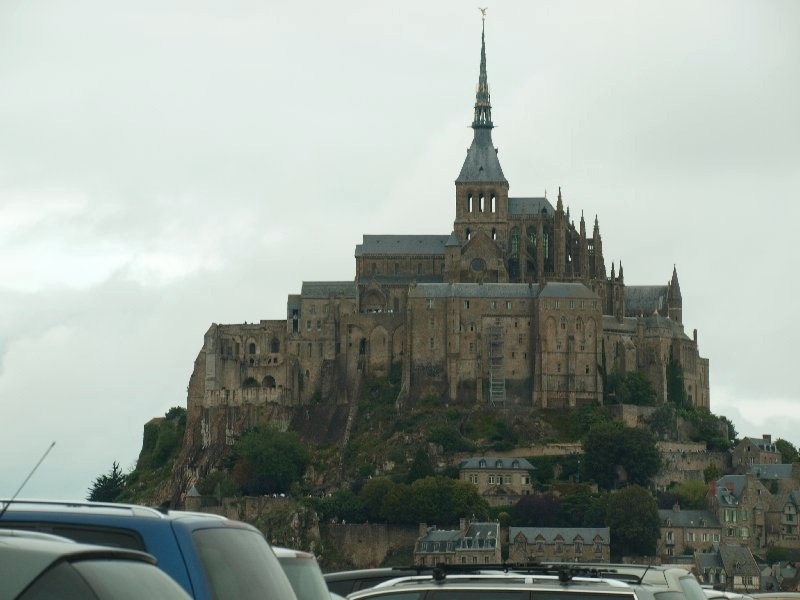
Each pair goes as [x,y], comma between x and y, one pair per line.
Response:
[493,207]
[514,241]
[466,303]
[481,202]
[469,234]
[252,348]
[469,202]
[563,322]
[579,324]
[274,345]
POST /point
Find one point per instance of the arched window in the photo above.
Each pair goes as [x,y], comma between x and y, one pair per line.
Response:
[469,202]
[494,233]
[481,203]
[493,205]
[469,234]
[275,345]
[252,348]
[269,382]
[250,383]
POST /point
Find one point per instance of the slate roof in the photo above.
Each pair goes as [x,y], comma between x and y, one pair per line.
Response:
[324,289]
[738,560]
[770,471]
[567,534]
[688,518]
[645,299]
[500,290]
[402,245]
[400,279]
[492,462]
[730,497]
[529,206]
[566,290]
[481,164]
[761,444]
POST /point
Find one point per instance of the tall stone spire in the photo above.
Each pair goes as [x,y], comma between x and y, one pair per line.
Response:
[481,164]
[483,106]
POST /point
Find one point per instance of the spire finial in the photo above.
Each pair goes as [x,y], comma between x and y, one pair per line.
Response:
[483,107]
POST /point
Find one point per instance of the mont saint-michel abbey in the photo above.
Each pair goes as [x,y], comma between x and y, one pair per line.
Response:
[513,307]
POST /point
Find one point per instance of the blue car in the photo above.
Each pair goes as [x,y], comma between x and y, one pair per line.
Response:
[210,556]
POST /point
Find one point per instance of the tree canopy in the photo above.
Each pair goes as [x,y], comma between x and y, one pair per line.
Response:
[268,461]
[787,450]
[107,487]
[630,387]
[614,453]
[632,515]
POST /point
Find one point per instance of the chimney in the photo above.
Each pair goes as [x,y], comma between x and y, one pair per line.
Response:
[423,529]
[676,507]
[463,524]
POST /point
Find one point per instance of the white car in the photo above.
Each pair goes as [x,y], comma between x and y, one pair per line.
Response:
[304,574]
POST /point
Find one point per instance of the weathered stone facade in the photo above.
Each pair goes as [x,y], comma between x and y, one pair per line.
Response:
[561,544]
[514,307]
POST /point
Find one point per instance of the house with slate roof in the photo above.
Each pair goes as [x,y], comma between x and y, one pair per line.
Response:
[729,567]
[685,531]
[470,544]
[752,451]
[782,520]
[578,544]
[740,503]
[510,306]
[500,481]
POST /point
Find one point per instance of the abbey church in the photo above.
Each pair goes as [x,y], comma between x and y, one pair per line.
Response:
[511,306]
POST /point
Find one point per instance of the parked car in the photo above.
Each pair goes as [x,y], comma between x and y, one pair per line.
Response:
[498,585]
[36,566]
[208,555]
[674,578]
[304,574]
[345,582]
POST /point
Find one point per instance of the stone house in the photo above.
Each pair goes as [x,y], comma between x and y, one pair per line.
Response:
[685,531]
[471,543]
[751,451]
[782,523]
[500,481]
[729,567]
[740,503]
[575,544]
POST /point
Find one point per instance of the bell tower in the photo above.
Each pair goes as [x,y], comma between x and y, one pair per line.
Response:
[481,187]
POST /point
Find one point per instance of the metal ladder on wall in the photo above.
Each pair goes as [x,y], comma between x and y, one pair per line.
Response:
[497,376]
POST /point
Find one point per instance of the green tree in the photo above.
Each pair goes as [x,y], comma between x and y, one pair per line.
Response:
[107,487]
[787,450]
[268,460]
[537,510]
[691,494]
[632,516]
[610,448]
[676,388]
[421,467]
[373,493]
[630,387]
[712,472]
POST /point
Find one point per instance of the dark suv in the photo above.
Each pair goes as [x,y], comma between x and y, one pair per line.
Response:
[208,555]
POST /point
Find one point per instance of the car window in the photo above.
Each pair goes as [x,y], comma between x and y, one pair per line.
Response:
[117,537]
[104,579]
[240,564]
[306,578]
[691,588]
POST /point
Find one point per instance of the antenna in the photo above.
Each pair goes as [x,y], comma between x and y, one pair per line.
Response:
[46,452]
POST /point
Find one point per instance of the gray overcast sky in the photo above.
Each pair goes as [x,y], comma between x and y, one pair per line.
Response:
[165,165]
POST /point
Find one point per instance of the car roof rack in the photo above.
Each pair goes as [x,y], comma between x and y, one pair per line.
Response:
[563,571]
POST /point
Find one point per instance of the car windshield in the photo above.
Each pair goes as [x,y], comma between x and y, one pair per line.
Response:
[305,576]
[240,564]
